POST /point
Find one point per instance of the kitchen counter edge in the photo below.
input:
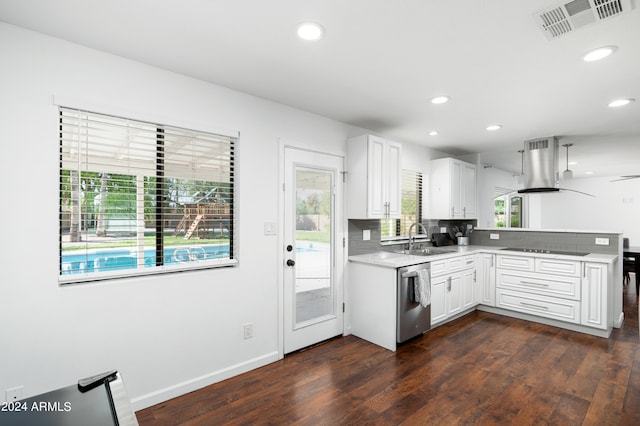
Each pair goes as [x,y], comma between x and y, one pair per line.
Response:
[396,260]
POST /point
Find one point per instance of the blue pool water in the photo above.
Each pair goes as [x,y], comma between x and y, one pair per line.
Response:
[118,259]
[110,260]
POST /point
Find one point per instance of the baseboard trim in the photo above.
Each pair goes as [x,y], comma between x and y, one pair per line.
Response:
[196,383]
[548,321]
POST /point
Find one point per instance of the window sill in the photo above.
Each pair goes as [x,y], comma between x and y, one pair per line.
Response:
[133,273]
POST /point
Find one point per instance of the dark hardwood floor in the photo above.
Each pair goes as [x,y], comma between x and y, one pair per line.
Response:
[480,369]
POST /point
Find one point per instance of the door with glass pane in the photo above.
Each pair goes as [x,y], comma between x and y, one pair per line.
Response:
[313,252]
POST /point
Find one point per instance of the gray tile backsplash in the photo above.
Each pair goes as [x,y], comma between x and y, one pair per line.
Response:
[356,244]
[548,240]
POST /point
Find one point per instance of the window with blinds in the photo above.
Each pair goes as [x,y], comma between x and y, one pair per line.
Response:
[140,198]
[411,206]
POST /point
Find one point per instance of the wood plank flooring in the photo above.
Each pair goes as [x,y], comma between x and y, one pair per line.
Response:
[480,369]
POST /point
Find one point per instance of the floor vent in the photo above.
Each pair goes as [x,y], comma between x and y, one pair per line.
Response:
[563,18]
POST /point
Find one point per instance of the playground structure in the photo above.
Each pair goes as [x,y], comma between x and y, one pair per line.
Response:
[199,219]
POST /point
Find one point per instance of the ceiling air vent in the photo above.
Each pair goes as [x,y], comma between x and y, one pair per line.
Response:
[565,17]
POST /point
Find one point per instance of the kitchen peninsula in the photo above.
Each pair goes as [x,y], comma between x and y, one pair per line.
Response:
[566,278]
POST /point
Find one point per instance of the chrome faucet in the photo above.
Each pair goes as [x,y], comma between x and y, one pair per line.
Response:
[412,238]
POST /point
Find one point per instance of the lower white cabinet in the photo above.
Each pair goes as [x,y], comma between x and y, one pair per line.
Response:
[542,306]
[565,290]
[595,300]
[485,279]
[452,287]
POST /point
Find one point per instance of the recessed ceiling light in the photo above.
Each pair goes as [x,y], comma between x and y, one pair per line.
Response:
[310,31]
[433,133]
[621,102]
[599,53]
[573,163]
[588,173]
[439,99]
[493,127]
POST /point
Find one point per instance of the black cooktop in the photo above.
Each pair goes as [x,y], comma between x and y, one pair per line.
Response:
[545,251]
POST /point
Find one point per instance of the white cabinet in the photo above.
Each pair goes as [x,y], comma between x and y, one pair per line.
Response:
[595,301]
[452,189]
[373,178]
[548,288]
[486,279]
[569,291]
[452,287]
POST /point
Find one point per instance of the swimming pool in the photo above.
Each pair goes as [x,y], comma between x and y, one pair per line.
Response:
[117,259]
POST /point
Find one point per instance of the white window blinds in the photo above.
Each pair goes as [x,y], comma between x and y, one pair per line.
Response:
[410,208]
[138,198]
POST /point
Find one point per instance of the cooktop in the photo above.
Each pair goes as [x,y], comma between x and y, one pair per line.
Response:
[545,251]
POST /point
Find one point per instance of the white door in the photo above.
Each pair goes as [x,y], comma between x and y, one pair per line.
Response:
[313,248]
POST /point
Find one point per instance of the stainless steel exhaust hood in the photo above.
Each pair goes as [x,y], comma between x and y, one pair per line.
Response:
[541,165]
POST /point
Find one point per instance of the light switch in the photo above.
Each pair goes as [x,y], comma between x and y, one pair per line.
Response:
[270,228]
[366,235]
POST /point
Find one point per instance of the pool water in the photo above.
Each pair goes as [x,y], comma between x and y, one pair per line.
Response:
[118,259]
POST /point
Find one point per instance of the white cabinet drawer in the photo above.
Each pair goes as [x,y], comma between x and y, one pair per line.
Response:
[459,263]
[547,285]
[438,268]
[453,264]
[542,306]
[558,267]
[520,263]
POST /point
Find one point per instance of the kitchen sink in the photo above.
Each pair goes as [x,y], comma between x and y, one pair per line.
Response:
[428,251]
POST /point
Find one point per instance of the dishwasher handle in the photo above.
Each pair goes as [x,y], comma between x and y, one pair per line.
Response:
[410,274]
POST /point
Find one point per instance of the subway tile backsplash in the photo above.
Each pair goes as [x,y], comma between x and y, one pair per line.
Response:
[547,240]
[356,244]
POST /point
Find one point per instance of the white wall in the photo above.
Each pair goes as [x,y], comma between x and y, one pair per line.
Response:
[166,334]
[615,207]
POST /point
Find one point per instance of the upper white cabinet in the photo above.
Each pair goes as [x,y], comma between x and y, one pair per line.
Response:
[373,178]
[452,189]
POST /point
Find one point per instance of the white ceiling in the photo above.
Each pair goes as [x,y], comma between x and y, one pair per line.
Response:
[381,61]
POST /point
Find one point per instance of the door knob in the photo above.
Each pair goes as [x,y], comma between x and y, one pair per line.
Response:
[291,262]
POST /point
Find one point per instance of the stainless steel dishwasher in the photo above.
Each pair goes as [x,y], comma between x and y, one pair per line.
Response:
[413,319]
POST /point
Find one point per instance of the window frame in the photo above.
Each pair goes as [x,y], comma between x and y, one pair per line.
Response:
[159,209]
[396,224]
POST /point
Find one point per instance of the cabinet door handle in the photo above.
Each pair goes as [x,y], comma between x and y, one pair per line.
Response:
[464,212]
[531,305]
[533,284]
[453,211]
[449,284]
[474,276]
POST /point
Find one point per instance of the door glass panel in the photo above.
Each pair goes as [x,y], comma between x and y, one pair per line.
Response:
[314,293]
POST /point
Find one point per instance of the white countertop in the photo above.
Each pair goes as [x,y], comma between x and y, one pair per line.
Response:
[398,260]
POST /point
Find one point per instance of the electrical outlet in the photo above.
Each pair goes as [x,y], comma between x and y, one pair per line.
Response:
[248,330]
[494,236]
[602,241]
[366,234]
[443,229]
[14,394]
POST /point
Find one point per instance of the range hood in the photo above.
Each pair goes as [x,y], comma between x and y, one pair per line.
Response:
[541,165]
